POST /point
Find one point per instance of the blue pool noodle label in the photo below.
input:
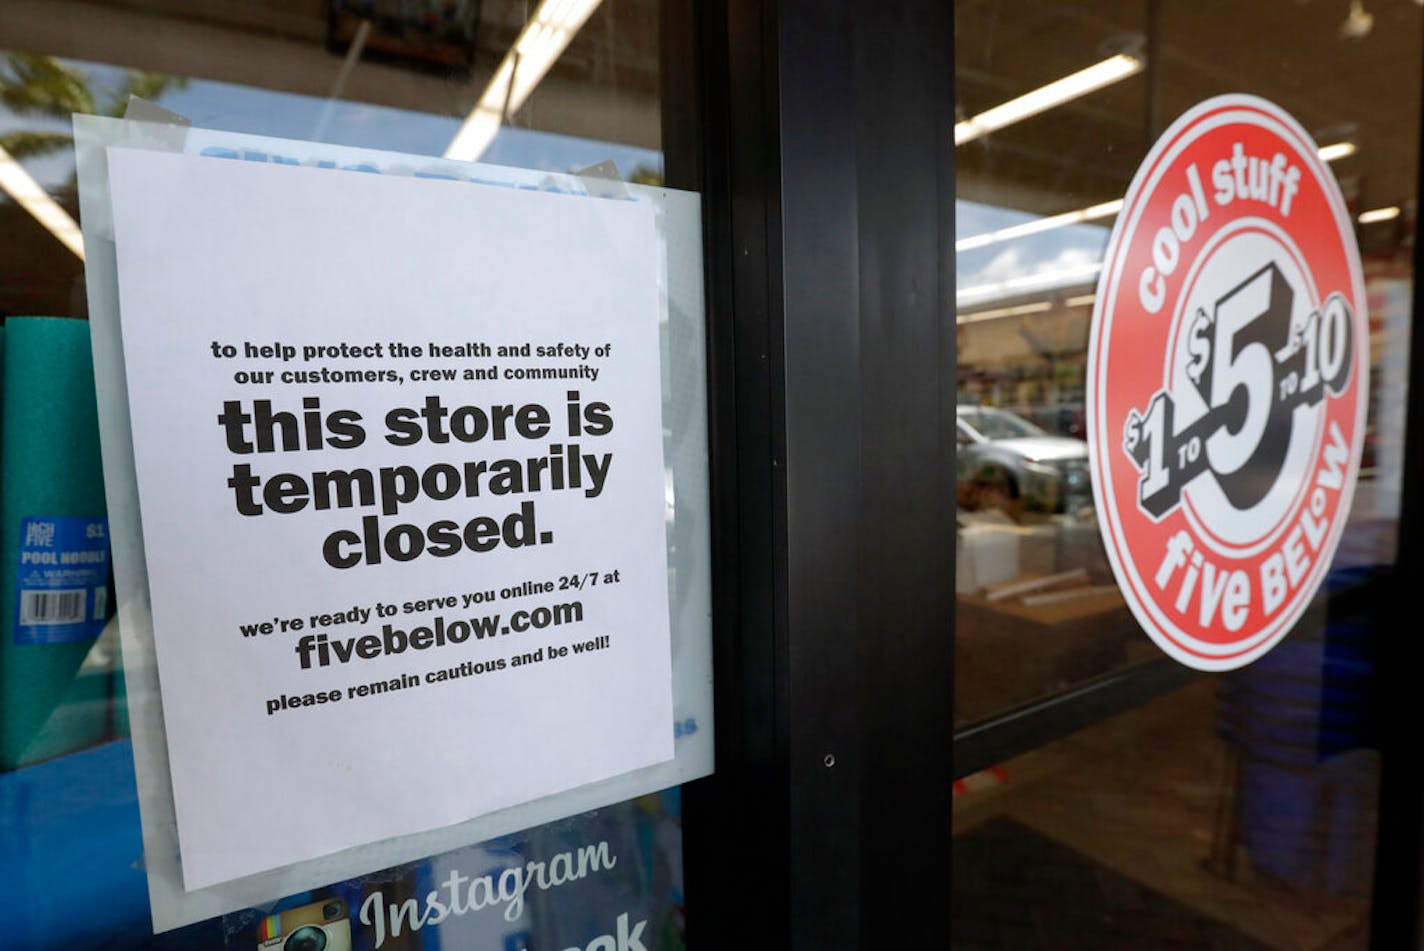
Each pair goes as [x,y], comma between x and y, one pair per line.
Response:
[63,590]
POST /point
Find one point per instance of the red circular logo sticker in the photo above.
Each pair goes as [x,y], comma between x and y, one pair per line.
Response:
[1228,368]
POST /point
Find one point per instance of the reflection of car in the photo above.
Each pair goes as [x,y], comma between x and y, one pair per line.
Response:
[1059,419]
[1006,462]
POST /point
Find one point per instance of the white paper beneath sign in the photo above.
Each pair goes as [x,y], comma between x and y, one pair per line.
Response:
[217,253]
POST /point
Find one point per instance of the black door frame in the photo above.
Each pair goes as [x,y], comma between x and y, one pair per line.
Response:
[828,172]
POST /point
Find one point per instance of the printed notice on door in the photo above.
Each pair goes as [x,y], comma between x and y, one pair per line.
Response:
[398,444]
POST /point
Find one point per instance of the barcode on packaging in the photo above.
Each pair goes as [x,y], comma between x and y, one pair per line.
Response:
[52,607]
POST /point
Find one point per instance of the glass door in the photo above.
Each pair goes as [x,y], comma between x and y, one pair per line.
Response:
[567,98]
[1107,794]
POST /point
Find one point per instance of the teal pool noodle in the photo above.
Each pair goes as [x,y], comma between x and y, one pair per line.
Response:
[50,466]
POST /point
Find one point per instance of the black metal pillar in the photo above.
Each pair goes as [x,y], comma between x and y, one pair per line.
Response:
[829,177]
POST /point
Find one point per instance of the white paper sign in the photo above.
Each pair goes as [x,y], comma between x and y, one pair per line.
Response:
[399,457]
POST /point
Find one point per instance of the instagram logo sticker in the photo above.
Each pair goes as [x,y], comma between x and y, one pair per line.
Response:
[320,926]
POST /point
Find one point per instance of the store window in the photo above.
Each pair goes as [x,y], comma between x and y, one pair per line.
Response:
[566,98]
[1110,794]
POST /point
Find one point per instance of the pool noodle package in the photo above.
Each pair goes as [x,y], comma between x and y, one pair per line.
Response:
[51,479]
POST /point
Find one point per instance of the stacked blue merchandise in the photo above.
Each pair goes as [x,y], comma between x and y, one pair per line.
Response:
[1301,722]
[71,858]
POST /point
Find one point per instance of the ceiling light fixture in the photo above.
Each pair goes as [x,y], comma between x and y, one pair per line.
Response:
[1358,22]
[1034,308]
[1378,214]
[1105,73]
[543,39]
[28,194]
[1105,210]
[1336,150]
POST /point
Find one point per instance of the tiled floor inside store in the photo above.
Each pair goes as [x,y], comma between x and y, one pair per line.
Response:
[1120,837]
